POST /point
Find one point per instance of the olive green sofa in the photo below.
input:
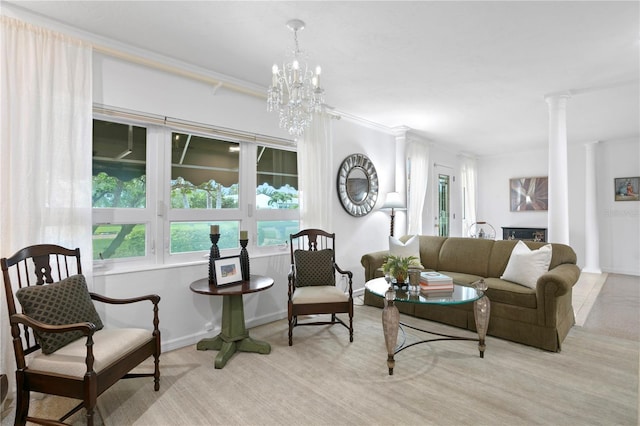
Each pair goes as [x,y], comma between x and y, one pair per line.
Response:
[539,317]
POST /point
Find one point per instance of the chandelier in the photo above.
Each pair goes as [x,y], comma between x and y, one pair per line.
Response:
[295,90]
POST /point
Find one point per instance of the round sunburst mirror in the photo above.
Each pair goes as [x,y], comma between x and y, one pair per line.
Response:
[357,185]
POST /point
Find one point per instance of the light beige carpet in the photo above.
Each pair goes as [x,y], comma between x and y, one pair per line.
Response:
[325,380]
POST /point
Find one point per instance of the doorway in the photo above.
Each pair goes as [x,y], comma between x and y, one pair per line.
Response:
[443,204]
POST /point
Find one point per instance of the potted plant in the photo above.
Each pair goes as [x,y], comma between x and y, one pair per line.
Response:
[398,266]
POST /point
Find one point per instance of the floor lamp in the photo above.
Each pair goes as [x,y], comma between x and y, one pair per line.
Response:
[393,202]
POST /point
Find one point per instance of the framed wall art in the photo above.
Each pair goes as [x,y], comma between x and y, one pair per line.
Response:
[227,270]
[626,188]
[529,194]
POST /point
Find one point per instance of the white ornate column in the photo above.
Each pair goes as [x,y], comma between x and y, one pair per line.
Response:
[558,213]
[591,230]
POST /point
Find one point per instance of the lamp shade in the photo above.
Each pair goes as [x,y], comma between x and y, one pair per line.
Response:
[393,200]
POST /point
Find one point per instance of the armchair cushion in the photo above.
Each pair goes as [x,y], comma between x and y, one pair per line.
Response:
[314,267]
[319,294]
[109,345]
[65,302]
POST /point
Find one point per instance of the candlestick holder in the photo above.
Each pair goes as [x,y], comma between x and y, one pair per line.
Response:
[214,254]
[244,260]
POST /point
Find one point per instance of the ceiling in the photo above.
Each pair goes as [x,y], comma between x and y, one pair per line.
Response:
[469,76]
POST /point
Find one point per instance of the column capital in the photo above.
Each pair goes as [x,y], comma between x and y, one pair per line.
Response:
[557,96]
[400,131]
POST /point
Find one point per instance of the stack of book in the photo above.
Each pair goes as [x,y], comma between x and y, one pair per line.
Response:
[434,282]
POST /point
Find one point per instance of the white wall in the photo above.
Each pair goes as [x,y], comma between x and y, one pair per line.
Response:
[619,224]
[493,189]
[185,315]
[619,221]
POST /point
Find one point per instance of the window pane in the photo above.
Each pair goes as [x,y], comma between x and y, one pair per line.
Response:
[277,178]
[204,172]
[271,233]
[119,165]
[117,241]
[194,236]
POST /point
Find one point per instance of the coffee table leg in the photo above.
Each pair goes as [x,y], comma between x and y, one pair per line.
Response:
[482,310]
[390,326]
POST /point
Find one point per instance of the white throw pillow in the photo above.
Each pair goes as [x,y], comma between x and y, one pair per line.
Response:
[410,248]
[526,266]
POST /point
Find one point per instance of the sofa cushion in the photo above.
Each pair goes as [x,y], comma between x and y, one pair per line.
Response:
[314,267]
[508,293]
[65,302]
[405,249]
[526,266]
[466,255]
[430,250]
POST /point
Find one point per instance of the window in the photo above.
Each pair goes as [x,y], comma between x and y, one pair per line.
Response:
[277,183]
[204,172]
[119,190]
[164,184]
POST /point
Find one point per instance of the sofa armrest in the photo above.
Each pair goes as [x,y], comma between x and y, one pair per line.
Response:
[562,278]
[371,263]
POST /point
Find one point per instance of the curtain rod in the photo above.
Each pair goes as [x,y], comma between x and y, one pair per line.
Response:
[216,82]
[442,165]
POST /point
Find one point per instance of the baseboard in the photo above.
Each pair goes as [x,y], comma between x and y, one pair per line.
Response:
[192,339]
[635,273]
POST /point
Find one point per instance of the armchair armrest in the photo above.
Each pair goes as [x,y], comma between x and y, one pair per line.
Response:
[343,272]
[291,278]
[154,298]
[348,274]
[86,328]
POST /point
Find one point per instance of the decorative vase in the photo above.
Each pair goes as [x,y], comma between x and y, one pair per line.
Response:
[414,281]
[214,254]
[244,260]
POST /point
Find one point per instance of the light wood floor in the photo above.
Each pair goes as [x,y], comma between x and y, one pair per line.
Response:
[605,304]
[616,309]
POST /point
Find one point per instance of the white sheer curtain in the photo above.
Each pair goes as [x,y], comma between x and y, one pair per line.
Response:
[45,136]
[315,179]
[418,162]
[468,174]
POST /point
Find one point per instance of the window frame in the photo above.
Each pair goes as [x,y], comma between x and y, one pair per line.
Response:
[158,214]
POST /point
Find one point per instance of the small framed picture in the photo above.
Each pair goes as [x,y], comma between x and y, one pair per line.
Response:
[626,188]
[227,270]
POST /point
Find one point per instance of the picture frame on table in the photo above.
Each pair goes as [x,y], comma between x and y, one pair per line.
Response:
[626,188]
[227,271]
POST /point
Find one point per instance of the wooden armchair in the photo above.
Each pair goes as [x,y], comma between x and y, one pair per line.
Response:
[58,338]
[312,281]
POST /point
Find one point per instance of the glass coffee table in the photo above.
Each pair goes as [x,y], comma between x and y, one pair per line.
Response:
[460,295]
